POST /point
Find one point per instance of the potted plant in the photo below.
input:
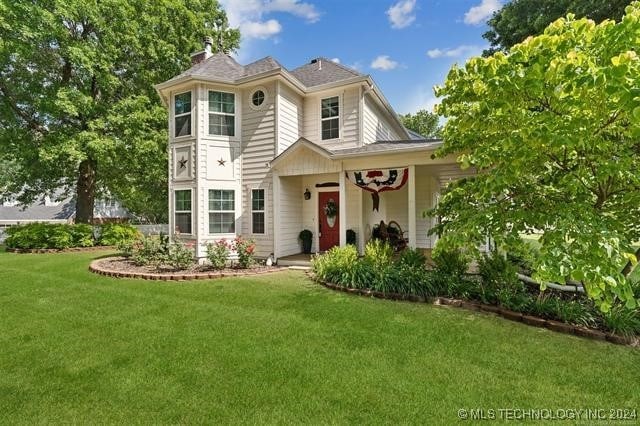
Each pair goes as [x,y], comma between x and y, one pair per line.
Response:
[305,236]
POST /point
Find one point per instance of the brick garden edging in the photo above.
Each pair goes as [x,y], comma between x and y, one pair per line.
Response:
[97,269]
[67,250]
[560,327]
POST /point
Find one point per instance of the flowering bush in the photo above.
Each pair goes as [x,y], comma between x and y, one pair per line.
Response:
[218,253]
[245,250]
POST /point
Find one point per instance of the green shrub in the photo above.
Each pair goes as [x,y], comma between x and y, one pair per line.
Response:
[450,262]
[579,312]
[49,236]
[405,278]
[498,275]
[338,265]
[218,254]
[149,251]
[81,235]
[622,320]
[413,258]
[179,256]
[245,250]
[115,234]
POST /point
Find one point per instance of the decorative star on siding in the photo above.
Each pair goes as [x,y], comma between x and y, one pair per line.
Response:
[221,162]
[183,163]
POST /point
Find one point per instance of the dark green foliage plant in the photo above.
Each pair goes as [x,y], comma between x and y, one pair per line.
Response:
[450,262]
[623,321]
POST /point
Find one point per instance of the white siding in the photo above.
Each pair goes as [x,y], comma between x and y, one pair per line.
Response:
[258,148]
[289,117]
[376,127]
[290,215]
[306,162]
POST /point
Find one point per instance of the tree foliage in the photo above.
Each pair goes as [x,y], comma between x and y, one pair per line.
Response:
[553,129]
[520,19]
[77,106]
[423,122]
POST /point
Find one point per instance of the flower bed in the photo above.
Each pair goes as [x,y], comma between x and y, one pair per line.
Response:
[557,326]
[378,273]
[122,267]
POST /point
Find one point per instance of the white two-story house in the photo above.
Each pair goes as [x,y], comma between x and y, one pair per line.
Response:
[264,152]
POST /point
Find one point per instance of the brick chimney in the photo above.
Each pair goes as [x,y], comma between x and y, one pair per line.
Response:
[203,55]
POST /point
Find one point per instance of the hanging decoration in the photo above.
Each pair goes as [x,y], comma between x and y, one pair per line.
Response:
[379,180]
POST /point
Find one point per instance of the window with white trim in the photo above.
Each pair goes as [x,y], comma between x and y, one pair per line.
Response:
[182,203]
[257,211]
[182,114]
[222,215]
[330,118]
[222,110]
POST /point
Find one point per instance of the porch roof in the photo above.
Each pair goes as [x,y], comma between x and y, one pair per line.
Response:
[375,148]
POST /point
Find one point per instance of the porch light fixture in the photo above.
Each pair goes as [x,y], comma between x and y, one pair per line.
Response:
[307,194]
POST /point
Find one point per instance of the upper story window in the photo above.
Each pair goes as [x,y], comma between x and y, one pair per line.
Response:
[182,114]
[222,110]
[257,98]
[330,118]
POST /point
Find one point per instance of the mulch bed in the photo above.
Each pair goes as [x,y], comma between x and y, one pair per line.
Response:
[67,250]
[560,327]
[121,267]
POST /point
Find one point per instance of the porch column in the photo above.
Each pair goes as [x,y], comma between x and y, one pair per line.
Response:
[411,206]
[276,214]
[342,211]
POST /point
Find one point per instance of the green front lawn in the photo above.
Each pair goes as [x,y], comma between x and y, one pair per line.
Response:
[78,347]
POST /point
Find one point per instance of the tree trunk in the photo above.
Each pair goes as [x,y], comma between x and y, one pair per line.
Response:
[85,191]
[629,267]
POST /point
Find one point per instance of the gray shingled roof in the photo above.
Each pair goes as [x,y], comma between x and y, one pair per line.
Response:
[39,212]
[261,65]
[322,71]
[390,146]
[223,67]
[219,65]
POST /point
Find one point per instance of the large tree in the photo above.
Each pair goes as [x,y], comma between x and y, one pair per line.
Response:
[519,19]
[553,129]
[423,122]
[77,106]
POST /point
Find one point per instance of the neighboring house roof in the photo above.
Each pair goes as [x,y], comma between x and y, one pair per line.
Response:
[415,135]
[38,212]
[376,148]
[323,71]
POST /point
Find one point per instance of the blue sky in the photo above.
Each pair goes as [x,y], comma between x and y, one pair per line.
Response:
[406,45]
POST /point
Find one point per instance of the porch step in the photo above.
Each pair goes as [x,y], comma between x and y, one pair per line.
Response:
[300,268]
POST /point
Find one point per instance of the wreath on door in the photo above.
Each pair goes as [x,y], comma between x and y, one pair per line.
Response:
[330,209]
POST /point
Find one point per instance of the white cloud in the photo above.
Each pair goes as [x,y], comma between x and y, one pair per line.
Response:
[251,17]
[479,14]
[303,10]
[401,14]
[261,30]
[336,60]
[456,52]
[384,63]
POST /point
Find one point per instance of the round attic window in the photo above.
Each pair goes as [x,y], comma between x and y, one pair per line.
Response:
[257,98]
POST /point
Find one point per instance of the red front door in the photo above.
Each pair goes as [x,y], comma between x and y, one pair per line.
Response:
[329,229]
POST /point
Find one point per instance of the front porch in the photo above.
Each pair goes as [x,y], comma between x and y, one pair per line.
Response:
[306,176]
